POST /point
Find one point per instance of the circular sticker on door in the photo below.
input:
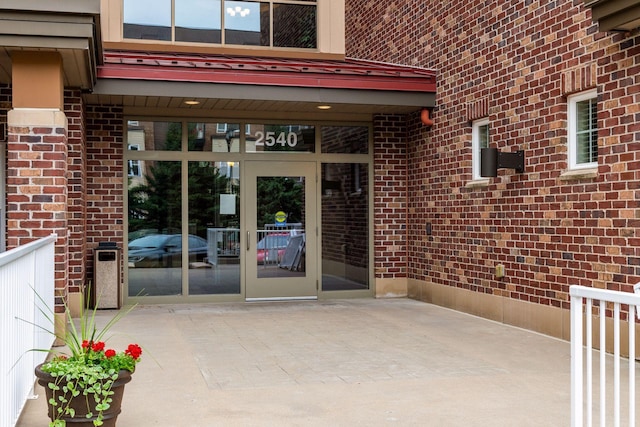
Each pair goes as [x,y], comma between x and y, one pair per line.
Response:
[281,219]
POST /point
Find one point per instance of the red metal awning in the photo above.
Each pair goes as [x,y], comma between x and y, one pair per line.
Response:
[246,70]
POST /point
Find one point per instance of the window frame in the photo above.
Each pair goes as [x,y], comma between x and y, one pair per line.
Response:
[134,166]
[271,30]
[475,145]
[572,131]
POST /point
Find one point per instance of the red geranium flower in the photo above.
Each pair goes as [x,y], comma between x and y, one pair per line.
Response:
[110,353]
[86,344]
[99,346]
[134,351]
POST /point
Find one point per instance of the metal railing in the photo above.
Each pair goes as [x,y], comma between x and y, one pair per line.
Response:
[222,243]
[27,295]
[610,405]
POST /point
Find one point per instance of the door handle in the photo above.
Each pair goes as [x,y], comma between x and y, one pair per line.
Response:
[248,239]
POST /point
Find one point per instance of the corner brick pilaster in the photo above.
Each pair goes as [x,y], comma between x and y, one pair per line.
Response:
[390,204]
[37,184]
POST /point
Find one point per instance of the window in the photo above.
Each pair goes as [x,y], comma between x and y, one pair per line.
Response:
[479,140]
[134,165]
[268,23]
[582,132]
[222,127]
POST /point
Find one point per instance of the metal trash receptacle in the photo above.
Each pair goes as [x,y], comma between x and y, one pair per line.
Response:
[106,276]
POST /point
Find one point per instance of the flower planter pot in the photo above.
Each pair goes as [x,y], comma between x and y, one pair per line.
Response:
[86,404]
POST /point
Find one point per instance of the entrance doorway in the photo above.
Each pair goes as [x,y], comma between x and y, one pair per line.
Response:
[247,211]
[281,231]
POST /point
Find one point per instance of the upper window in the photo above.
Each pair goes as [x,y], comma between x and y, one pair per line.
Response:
[583,130]
[269,23]
[134,165]
[479,140]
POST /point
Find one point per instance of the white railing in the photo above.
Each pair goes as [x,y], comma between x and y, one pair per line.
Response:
[610,405]
[27,297]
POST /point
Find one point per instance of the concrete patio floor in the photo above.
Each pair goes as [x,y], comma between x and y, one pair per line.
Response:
[360,362]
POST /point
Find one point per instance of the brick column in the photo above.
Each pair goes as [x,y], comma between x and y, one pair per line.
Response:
[390,205]
[37,184]
[76,202]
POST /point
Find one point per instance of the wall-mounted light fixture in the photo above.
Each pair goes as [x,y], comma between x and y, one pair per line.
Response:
[491,160]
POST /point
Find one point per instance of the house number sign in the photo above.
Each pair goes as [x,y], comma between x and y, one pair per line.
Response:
[270,138]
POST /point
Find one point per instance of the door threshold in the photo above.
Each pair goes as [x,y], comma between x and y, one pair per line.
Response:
[309,298]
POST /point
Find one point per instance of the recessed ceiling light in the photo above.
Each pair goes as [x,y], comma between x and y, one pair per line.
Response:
[323,107]
[192,102]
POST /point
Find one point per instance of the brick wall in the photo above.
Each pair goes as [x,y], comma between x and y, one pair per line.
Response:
[5,105]
[76,206]
[390,196]
[515,62]
[37,188]
[104,189]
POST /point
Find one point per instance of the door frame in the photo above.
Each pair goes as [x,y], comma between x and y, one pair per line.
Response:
[242,157]
[280,287]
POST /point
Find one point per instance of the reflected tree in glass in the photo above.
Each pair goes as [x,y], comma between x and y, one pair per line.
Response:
[206,184]
[156,204]
[216,223]
[279,194]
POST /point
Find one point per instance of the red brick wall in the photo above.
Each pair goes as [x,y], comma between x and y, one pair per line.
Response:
[104,189]
[81,172]
[37,191]
[5,105]
[76,206]
[516,62]
[390,196]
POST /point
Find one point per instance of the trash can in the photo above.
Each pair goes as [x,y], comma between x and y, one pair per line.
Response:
[106,276]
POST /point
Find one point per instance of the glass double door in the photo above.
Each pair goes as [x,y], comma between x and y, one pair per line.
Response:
[281,260]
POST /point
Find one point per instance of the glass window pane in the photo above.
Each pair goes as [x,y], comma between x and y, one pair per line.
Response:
[154,235]
[294,26]
[198,21]
[483,133]
[280,247]
[345,139]
[345,231]
[582,148]
[149,136]
[214,137]
[214,228]
[583,117]
[587,147]
[586,131]
[281,138]
[147,19]
[247,23]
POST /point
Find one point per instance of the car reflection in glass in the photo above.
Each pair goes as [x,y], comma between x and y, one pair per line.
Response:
[164,250]
[271,247]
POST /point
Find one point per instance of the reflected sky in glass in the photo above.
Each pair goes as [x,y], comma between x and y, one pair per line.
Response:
[242,15]
[239,15]
[203,14]
[148,12]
